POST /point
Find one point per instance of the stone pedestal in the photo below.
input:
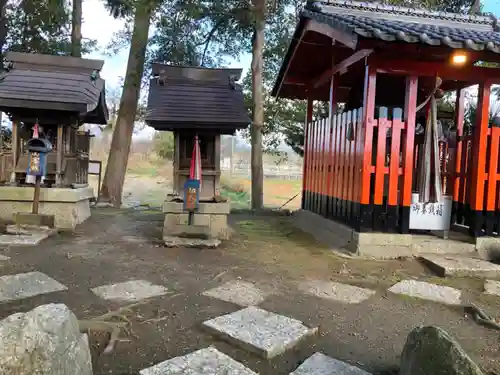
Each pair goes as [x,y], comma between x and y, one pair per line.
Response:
[212,216]
[69,207]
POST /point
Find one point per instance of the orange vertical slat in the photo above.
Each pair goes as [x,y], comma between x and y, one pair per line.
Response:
[492,170]
[478,168]
[336,156]
[368,124]
[409,139]
[358,155]
[397,128]
[382,126]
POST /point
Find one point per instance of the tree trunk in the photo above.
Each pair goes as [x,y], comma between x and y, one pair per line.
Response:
[258,105]
[476,7]
[76,29]
[3,28]
[121,141]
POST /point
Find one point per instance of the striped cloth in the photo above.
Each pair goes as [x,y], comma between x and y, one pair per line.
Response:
[195,167]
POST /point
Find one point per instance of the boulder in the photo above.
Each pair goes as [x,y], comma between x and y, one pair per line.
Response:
[43,341]
[431,350]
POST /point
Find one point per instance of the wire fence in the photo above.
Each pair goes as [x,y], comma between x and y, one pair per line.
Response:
[277,172]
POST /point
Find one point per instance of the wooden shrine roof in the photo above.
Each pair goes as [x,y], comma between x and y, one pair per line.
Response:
[389,29]
[196,98]
[53,87]
[393,23]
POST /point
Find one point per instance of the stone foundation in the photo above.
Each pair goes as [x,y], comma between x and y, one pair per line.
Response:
[70,207]
[210,215]
[375,244]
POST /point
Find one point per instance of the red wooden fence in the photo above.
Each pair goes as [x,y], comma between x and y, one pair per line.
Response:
[334,166]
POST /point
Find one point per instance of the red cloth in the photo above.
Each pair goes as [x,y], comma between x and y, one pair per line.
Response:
[35,131]
[195,167]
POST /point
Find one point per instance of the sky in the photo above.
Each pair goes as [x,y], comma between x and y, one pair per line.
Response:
[99,25]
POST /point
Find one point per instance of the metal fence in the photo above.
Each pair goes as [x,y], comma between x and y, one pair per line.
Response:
[278,172]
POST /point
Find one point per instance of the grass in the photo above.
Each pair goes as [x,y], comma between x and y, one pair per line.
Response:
[276,192]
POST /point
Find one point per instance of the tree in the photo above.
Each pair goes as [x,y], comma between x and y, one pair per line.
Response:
[258,104]
[76,29]
[40,26]
[163,144]
[116,168]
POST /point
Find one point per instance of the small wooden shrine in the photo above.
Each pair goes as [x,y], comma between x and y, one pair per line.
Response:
[382,69]
[198,102]
[59,94]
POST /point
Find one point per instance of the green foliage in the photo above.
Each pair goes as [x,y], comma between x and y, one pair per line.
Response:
[41,26]
[163,144]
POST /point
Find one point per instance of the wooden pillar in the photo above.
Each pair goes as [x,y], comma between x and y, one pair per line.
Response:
[365,207]
[478,167]
[59,155]
[459,178]
[329,165]
[408,150]
[217,153]
[306,194]
[15,150]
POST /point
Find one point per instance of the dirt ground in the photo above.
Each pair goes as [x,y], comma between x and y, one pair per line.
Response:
[120,245]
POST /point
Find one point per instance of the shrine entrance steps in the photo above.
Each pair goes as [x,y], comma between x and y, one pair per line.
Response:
[345,239]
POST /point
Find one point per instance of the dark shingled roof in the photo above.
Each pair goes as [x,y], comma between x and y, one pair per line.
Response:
[54,84]
[392,23]
[196,98]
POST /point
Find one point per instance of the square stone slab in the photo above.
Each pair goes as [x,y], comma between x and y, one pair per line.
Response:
[208,361]
[130,291]
[492,287]
[428,291]
[259,331]
[22,239]
[336,291]
[238,292]
[24,285]
[320,364]
[459,265]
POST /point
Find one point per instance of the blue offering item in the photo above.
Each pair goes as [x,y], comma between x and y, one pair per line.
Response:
[38,148]
[191,195]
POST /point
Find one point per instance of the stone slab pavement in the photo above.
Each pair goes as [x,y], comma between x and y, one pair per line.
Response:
[208,361]
[320,364]
[369,334]
[262,332]
[428,291]
[459,265]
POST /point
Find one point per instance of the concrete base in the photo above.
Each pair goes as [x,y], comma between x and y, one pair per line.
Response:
[210,215]
[69,207]
[374,244]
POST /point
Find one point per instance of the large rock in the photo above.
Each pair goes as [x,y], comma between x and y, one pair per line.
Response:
[430,350]
[43,341]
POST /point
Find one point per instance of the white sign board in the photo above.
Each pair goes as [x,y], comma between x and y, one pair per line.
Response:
[430,216]
[94,167]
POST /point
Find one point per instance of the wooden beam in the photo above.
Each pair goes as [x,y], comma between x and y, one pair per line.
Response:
[290,60]
[347,39]
[15,151]
[431,69]
[341,66]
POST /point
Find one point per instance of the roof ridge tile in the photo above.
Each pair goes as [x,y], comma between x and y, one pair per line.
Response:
[396,9]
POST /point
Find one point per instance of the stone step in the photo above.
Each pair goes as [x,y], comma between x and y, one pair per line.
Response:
[423,244]
[320,364]
[259,331]
[461,266]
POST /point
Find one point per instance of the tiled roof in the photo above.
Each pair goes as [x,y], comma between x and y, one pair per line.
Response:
[202,98]
[392,23]
[54,83]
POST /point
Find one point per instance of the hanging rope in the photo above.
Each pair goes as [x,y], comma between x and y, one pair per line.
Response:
[429,171]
